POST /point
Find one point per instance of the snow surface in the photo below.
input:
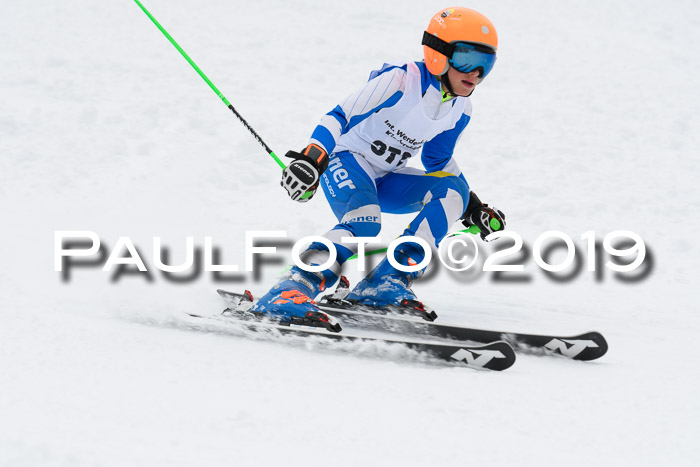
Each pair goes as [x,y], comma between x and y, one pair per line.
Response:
[589,121]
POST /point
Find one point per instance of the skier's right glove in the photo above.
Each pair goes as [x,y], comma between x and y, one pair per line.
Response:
[300,178]
[488,219]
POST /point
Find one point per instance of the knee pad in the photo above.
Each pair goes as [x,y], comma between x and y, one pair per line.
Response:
[364,229]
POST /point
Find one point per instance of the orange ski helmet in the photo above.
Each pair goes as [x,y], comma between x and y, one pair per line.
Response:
[452,25]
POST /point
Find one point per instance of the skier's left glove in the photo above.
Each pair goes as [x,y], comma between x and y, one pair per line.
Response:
[488,219]
[300,178]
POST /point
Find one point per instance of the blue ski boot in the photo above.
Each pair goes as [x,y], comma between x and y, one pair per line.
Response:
[290,301]
[388,288]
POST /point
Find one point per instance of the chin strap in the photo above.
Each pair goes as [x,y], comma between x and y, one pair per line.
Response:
[447,93]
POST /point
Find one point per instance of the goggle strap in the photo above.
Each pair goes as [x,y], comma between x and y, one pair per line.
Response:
[438,44]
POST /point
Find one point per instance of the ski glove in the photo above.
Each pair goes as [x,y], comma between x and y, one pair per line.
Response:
[300,178]
[488,219]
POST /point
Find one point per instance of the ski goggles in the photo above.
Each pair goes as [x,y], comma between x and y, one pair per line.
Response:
[469,57]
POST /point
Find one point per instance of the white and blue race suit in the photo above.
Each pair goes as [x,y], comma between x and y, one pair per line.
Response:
[399,113]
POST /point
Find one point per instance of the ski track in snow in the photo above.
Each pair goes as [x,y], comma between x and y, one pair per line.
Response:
[588,122]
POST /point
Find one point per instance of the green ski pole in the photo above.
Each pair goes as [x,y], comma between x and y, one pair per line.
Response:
[473,229]
[211,85]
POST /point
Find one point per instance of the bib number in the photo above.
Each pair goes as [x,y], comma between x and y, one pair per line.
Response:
[380,148]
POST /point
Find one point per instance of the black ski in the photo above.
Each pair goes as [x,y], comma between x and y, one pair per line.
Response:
[413,321]
[497,355]
[587,346]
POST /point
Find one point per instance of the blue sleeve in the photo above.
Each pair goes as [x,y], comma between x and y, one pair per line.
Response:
[437,153]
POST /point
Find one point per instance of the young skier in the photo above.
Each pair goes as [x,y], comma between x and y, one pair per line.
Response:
[358,154]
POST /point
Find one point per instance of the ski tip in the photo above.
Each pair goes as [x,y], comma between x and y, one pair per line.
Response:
[592,352]
[507,350]
[584,347]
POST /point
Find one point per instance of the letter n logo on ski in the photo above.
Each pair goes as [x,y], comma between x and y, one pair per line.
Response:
[569,347]
[476,357]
